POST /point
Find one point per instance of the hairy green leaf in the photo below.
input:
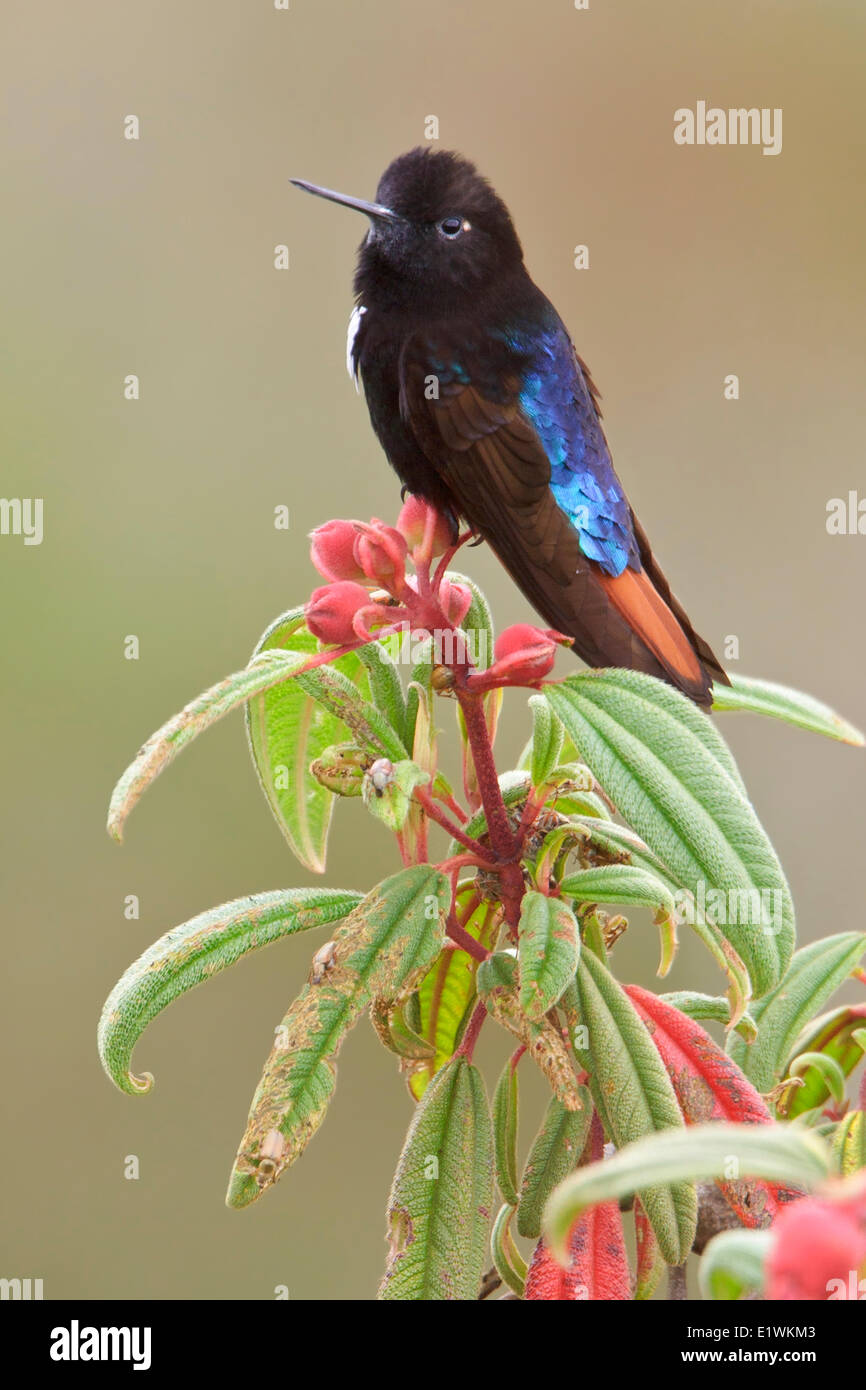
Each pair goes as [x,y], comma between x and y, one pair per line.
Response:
[556,1150]
[764,697]
[548,951]
[385,944]
[814,973]
[632,1093]
[441,1201]
[779,1153]
[194,952]
[287,730]
[673,779]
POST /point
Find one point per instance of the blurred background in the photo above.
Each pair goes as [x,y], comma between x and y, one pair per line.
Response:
[155,257]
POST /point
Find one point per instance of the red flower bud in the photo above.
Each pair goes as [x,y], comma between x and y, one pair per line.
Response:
[819,1252]
[381,553]
[333,550]
[524,656]
[415,516]
[455,601]
[331,610]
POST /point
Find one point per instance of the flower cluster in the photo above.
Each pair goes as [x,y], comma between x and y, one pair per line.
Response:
[369,593]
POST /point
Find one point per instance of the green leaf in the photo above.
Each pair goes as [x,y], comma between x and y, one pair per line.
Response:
[548,951]
[619,883]
[385,944]
[827,1068]
[505,1111]
[547,736]
[441,1201]
[836,1034]
[510,1264]
[778,701]
[710,1006]
[389,1021]
[263,673]
[367,725]
[674,780]
[733,1264]
[446,995]
[385,687]
[189,954]
[814,973]
[392,803]
[287,730]
[784,1154]
[478,623]
[632,1093]
[497,987]
[849,1143]
[555,1152]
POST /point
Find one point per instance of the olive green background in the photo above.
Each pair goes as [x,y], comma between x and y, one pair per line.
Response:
[156,257]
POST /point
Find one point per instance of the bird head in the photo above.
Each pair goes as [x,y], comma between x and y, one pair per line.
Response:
[438,232]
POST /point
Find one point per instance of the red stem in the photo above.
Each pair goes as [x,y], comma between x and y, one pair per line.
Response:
[436,814]
[473,1028]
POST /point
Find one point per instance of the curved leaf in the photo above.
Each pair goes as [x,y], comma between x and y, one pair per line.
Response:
[505,1112]
[764,697]
[189,954]
[836,1035]
[597,1268]
[782,1153]
[441,1201]
[510,1264]
[674,780]
[733,1264]
[263,673]
[814,973]
[385,944]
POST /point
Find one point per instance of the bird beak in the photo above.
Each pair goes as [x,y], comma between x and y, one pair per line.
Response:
[374,210]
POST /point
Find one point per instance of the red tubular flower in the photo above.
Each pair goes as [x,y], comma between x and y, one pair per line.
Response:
[598,1268]
[524,656]
[819,1252]
[331,611]
[333,550]
[381,552]
[710,1086]
[413,522]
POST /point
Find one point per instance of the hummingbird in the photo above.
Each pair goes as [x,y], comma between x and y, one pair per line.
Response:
[485,410]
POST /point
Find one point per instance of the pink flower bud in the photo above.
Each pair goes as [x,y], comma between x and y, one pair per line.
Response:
[331,610]
[333,550]
[412,524]
[819,1251]
[381,553]
[455,601]
[524,656]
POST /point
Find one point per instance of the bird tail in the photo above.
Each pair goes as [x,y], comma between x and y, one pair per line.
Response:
[635,597]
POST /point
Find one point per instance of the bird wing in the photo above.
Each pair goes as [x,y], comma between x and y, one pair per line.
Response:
[516,438]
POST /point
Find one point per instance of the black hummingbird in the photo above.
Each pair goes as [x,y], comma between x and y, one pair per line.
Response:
[485,410]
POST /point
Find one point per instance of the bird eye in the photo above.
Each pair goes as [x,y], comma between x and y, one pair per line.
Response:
[451,227]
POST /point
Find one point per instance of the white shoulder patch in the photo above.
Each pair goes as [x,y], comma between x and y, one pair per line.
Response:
[354,325]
